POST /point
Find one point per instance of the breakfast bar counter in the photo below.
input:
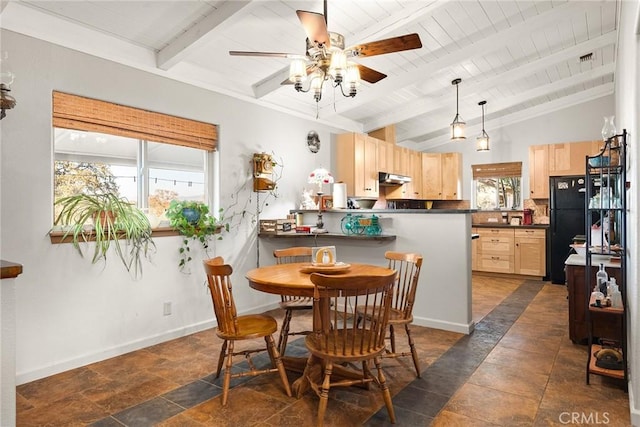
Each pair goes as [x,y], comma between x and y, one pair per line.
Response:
[443,237]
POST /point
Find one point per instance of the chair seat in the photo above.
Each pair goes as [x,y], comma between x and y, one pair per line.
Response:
[336,344]
[297,304]
[252,326]
[396,316]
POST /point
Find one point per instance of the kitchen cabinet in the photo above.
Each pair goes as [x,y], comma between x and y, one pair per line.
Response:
[557,160]
[495,250]
[356,164]
[517,250]
[385,156]
[400,160]
[441,176]
[569,158]
[413,189]
[530,252]
[539,171]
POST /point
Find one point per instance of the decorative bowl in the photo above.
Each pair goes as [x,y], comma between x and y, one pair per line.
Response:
[366,203]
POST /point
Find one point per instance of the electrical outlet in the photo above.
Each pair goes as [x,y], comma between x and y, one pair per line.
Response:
[167,308]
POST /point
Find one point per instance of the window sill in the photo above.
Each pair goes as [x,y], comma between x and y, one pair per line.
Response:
[57,237]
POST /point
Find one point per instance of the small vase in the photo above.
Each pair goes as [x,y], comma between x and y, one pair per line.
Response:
[609,128]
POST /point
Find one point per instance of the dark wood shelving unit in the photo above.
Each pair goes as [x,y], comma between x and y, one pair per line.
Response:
[605,204]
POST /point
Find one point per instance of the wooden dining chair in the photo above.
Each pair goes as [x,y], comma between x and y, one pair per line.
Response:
[232,327]
[339,339]
[408,266]
[291,303]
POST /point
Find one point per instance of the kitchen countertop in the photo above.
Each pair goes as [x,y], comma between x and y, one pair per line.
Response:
[502,225]
[575,259]
[387,211]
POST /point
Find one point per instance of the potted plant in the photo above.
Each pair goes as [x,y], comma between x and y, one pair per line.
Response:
[193,220]
[114,220]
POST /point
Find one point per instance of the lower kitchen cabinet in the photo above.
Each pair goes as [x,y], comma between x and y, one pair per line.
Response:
[510,250]
[530,252]
[578,296]
[495,250]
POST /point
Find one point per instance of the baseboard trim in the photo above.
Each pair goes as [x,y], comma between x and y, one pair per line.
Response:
[634,412]
[118,350]
[447,326]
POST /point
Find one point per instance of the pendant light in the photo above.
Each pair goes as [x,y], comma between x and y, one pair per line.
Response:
[457,126]
[482,141]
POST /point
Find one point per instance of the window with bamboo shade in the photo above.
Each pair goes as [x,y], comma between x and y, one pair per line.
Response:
[148,157]
[498,185]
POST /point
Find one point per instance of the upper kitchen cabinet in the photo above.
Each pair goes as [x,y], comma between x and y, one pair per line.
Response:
[413,168]
[385,156]
[400,160]
[441,176]
[568,159]
[557,160]
[356,164]
[539,171]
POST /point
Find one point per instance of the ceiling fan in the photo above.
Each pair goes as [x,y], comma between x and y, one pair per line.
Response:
[327,59]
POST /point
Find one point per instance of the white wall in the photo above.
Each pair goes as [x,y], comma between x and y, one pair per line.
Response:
[70,312]
[627,114]
[511,143]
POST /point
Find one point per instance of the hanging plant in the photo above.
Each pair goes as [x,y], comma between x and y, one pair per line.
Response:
[194,222]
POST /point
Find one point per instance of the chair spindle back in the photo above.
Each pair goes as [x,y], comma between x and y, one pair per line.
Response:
[219,278]
[336,328]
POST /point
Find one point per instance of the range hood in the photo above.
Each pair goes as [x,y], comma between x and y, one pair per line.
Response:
[386,178]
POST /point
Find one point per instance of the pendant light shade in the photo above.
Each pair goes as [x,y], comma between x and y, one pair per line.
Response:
[457,126]
[482,141]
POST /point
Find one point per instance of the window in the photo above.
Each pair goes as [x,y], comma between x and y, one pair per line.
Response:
[150,158]
[149,174]
[497,185]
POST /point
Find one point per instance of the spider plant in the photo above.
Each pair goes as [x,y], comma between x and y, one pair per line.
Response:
[115,220]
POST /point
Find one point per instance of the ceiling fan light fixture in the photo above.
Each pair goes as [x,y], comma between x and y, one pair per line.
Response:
[352,79]
[482,141]
[317,80]
[458,124]
[298,73]
[338,66]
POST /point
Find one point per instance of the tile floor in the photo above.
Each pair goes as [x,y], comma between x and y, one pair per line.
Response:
[518,368]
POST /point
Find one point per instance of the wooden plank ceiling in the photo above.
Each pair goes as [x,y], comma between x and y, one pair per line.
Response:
[522,57]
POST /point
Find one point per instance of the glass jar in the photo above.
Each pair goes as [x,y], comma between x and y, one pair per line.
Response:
[609,128]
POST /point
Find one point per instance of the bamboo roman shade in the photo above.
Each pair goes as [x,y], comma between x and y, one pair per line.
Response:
[80,113]
[496,170]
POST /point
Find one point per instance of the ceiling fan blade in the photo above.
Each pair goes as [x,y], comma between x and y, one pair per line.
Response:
[380,47]
[369,74]
[315,26]
[267,54]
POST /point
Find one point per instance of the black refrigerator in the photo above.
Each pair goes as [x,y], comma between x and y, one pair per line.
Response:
[566,220]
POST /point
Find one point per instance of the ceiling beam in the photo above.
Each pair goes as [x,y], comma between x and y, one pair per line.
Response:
[519,98]
[523,115]
[203,31]
[401,19]
[481,84]
[417,131]
[488,44]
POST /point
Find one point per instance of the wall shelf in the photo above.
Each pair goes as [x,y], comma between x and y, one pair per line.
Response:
[381,237]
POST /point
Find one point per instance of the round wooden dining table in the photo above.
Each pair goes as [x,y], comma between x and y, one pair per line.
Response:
[289,279]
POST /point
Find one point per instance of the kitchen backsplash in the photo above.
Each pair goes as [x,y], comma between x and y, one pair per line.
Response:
[540,213]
